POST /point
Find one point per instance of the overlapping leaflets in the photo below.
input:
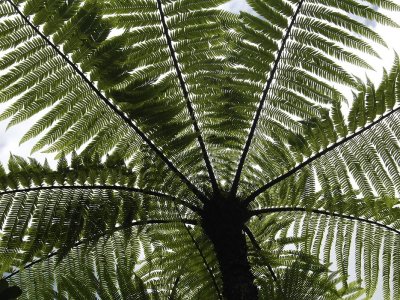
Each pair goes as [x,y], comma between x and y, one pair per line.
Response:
[184,114]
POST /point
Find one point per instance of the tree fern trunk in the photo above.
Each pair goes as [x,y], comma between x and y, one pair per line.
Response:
[223,222]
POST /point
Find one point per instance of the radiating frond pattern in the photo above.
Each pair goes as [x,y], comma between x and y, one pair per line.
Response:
[176,52]
[73,82]
[216,159]
[350,193]
[296,70]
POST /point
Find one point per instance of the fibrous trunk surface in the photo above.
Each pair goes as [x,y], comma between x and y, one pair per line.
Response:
[223,222]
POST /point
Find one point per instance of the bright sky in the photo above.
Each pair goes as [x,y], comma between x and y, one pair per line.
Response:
[9,140]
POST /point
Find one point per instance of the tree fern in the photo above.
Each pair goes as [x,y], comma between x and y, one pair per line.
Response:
[215,159]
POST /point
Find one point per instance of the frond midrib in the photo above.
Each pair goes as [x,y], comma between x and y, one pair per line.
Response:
[112,106]
[236,181]
[328,213]
[189,105]
[104,187]
[107,232]
[294,170]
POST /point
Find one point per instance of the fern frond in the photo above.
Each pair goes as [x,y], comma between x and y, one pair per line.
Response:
[371,220]
[82,34]
[190,121]
[308,41]
[42,209]
[370,122]
[105,270]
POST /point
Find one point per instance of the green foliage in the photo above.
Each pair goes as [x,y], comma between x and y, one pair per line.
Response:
[172,104]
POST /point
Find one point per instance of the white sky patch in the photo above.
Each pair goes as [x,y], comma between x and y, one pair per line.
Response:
[237,5]
[10,139]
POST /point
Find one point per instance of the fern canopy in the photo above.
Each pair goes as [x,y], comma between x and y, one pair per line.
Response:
[200,154]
